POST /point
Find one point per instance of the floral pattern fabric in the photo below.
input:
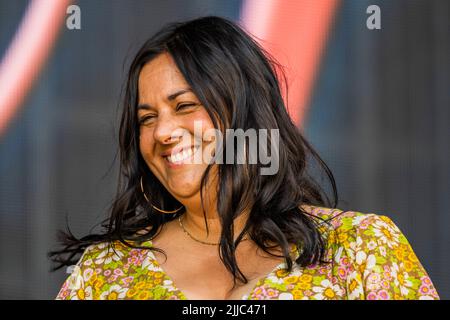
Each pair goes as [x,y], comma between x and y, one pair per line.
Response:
[369,258]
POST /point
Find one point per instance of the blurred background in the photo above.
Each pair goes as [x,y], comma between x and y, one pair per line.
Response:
[375,103]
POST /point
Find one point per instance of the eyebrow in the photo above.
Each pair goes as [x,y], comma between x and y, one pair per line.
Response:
[170,97]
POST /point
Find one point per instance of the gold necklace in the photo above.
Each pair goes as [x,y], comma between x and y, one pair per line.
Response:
[204,242]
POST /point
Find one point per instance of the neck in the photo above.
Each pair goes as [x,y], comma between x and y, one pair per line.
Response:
[194,223]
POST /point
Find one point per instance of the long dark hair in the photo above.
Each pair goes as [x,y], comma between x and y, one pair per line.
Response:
[238,83]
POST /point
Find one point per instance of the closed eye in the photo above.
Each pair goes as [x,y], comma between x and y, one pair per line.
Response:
[146,118]
[185,106]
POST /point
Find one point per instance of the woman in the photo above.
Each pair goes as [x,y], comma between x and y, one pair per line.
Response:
[210,229]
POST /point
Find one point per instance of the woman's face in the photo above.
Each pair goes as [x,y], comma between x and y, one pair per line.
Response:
[167,110]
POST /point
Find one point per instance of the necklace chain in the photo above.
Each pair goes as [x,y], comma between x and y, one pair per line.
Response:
[204,242]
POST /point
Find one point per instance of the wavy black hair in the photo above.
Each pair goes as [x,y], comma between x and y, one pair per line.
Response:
[239,84]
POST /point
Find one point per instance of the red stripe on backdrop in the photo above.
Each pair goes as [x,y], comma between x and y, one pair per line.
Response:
[294,32]
[27,54]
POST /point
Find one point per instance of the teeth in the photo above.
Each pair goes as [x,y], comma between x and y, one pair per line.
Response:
[180,156]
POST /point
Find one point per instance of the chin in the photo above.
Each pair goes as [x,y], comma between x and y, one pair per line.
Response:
[183,193]
[183,188]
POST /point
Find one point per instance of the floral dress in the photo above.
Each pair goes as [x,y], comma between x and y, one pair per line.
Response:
[369,258]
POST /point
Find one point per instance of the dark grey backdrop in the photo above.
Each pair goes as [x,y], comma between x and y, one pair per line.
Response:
[379,116]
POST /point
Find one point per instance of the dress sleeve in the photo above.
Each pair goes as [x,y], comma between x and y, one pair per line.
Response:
[384,264]
[75,287]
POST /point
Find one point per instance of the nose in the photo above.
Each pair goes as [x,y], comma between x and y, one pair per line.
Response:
[167,130]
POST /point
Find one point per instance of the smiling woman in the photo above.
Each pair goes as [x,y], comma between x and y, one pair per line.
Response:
[171,111]
[186,230]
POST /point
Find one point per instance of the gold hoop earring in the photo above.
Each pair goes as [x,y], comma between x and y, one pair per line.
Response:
[158,209]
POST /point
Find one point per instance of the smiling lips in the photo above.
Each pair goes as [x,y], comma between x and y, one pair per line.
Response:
[181,155]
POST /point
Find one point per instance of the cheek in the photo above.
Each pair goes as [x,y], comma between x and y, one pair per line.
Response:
[203,118]
[207,122]
[146,144]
